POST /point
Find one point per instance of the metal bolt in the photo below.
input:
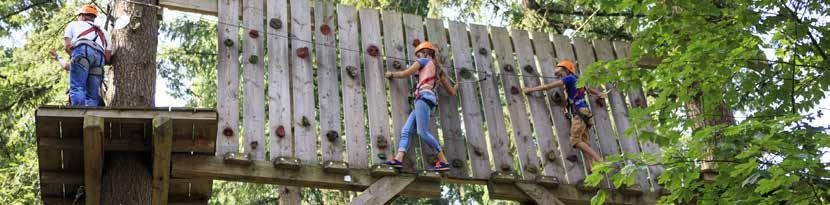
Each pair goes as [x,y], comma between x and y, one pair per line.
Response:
[253,33]
[514,90]
[529,69]
[482,51]
[228,42]
[508,68]
[332,135]
[373,50]
[352,71]
[396,65]
[253,59]
[228,132]
[416,42]
[305,122]
[302,52]
[254,144]
[275,23]
[325,29]
[281,131]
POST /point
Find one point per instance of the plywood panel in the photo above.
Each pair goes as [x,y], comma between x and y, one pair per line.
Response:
[575,171]
[327,78]
[375,87]
[393,42]
[549,145]
[279,84]
[491,100]
[503,49]
[414,32]
[228,77]
[351,73]
[447,105]
[253,74]
[305,124]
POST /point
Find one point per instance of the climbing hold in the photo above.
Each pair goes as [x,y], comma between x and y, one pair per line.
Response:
[557,97]
[551,156]
[465,73]
[228,132]
[352,71]
[281,131]
[305,122]
[514,90]
[505,168]
[332,135]
[253,59]
[382,156]
[228,42]
[253,33]
[373,50]
[254,144]
[302,52]
[508,68]
[416,42]
[532,169]
[482,51]
[381,142]
[396,65]
[600,102]
[640,102]
[275,23]
[529,69]
[477,151]
[325,29]
[457,163]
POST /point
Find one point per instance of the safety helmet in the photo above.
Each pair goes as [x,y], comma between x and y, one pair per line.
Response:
[88,9]
[425,45]
[567,64]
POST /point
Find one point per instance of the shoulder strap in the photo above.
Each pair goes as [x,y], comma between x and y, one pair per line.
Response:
[98,33]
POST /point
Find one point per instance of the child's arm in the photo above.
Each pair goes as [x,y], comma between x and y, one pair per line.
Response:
[452,90]
[548,86]
[596,92]
[405,73]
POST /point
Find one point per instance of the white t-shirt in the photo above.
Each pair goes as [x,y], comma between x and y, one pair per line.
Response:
[75,28]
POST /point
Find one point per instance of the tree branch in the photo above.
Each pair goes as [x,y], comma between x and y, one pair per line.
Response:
[813,40]
[31,6]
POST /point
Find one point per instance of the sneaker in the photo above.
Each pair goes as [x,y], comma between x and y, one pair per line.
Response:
[440,166]
[394,163]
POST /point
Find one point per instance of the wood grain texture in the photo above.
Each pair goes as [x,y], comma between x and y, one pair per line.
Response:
[375,87]
[228,77]
[550,144]
[393,42]
[327,77]
[414,30]
[503,49]
[470,100]
[628,144]
[162,147]
[490,99]
[93,158]
[302,79]
[279,82]
[383,190]
[354,114]
[454,146]
[540,113]
[575,171]
[253,74]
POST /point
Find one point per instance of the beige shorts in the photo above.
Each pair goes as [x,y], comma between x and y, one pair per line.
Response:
[579,130]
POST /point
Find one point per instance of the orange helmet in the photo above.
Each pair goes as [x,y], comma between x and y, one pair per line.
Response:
[425,45]
[567,64]
[88,9]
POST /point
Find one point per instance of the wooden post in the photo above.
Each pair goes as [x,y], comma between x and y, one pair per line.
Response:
[539,194]
[162,146]
[227,91]
[383,190]
[253,75]
[331,142]
[93,157]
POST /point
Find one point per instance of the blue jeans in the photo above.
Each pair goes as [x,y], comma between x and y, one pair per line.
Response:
[83,87]
[419,120]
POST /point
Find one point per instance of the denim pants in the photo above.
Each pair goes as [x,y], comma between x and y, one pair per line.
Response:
[419,120]
[83,87]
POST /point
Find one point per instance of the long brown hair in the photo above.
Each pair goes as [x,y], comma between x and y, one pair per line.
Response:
[439,72]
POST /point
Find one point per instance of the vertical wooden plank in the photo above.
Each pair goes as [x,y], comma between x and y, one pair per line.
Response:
[465,74]
[638,100]
[93,158]
[279,82]
[453,147]
[327,78]
[523,136]
[602,120]
[491,100]
[503,49]
[602,137]
[575,170]
[228,77]
[398,87]
[290,195]
[305,125]
[414,28]
[162,147]
[350,73]
[539,109]
[253,119]
[549,145]
[628,144]
[375,87]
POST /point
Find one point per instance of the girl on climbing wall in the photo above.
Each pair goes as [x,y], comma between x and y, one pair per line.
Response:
[428,73]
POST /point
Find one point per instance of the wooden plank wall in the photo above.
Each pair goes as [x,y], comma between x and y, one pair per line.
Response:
[333,73]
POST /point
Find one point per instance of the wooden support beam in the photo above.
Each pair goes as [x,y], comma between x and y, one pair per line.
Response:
[260,171]
[569,194]
[539,194]
[383,190]
[162,146]
[129,145]
[126,113]
[57,177]
[93,157]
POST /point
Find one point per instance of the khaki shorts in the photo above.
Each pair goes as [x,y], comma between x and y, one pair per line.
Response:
[579,130]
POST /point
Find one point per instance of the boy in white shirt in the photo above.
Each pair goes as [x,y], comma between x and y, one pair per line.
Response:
[89,48]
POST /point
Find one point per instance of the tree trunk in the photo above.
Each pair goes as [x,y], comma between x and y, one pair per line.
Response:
[127,175]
